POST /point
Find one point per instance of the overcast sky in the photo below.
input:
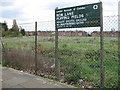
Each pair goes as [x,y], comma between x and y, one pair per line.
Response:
[25,11]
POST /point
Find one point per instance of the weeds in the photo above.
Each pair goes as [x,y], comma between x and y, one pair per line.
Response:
[76,61]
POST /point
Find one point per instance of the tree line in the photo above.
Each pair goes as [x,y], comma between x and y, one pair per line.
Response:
[15,31]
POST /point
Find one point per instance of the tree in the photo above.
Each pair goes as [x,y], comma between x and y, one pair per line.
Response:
[22,31]
[15,28]
[12,32]
[4,28]
[1,29]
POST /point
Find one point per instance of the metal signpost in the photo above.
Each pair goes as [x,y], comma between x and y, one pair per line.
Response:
[57,63]
[102,79]
[89,15]
[36,48]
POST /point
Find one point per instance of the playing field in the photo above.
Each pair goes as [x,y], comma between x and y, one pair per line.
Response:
[79,56]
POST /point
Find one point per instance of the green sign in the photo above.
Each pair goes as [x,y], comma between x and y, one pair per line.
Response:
[78,16]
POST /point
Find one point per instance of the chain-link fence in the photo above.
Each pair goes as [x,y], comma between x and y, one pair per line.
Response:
[19,53]
[78,52]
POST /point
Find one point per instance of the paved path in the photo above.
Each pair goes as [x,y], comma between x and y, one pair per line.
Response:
[15,79]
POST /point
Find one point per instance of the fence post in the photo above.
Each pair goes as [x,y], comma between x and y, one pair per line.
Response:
[119,44]
[102,68]
[57,63]
[36,48]
[3,50]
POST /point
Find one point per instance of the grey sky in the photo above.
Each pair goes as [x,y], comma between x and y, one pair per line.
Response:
[27,11]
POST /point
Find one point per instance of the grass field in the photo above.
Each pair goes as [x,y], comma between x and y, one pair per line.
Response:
[79,56]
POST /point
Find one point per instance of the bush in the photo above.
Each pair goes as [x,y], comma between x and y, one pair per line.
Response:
[23,32]
[11,34]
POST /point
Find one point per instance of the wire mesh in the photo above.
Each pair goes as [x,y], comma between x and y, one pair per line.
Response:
[78,52]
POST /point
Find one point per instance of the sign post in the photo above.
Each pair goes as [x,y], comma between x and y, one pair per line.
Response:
[119,44]
[57,62]
[102,79]
[36,48]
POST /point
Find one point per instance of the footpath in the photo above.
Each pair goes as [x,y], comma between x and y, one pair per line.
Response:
[15,79]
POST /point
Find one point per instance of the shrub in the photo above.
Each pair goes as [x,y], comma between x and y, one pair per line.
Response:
[23,32]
